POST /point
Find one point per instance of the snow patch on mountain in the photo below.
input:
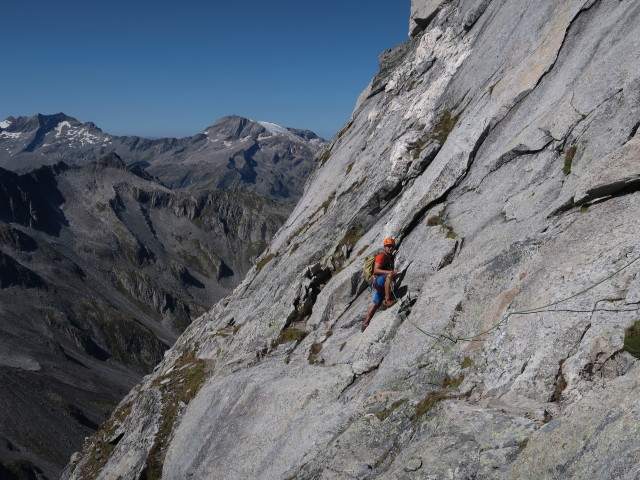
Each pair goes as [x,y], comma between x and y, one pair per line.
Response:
[5,123]
[60,126]
[77,134]
[10,134]
[83,136]
[275,129]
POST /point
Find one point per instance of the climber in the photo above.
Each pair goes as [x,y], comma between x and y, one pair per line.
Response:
[383,276]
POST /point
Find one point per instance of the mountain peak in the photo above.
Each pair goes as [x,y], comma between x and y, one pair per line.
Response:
[234,153]
[275,129]
[112,160]
[234,127]
[38,121]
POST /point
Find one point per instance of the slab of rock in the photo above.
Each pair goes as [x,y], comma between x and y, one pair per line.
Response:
[422,11]
[618,171]
[513,306]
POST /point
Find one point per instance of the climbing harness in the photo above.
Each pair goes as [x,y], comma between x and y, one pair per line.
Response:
[406,307]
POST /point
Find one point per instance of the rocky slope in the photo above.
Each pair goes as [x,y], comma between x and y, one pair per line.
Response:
[234,153]
[499,145]
[100,271]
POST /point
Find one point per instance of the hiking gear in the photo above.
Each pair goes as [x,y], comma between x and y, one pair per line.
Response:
[378,283]
[389,303]
[364,327]
[368,267]
[388,242]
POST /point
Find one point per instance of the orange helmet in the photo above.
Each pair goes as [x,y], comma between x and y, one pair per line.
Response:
[389,242]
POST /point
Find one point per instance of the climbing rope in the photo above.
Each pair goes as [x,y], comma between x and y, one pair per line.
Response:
[439,336]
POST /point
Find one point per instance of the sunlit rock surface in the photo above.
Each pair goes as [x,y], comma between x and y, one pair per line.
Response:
[496,147]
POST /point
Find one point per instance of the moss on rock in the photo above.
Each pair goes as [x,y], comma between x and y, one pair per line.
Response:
[632,339]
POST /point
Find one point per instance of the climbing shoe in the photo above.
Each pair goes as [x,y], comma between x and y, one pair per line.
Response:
[363,327]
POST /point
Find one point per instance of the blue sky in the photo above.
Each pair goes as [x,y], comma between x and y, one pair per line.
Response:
[170,69]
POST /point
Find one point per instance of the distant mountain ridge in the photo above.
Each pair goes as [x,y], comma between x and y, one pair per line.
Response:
[234,153]
[109,247]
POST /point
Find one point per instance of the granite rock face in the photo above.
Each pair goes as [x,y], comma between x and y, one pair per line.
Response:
[496,146]
[422,12]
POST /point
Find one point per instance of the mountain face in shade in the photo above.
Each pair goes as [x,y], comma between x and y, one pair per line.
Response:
[234,153]
[105,259]
[101,268]
[499,146]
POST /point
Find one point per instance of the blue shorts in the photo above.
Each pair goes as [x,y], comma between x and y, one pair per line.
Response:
[378,286]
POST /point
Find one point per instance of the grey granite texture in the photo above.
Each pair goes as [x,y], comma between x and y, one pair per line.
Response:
[504,358]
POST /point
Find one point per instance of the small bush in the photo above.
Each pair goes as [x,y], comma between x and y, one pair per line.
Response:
[428,402]
[444,127]
[287,335]
[414,84]
[355,186]
[438,221]
[325,205]
[298,232]
[315,349]
[264,260]
[449,382]
[523,445]
[568,159]
[382,415]
[325,156]
[560,386]
[418,146]
[349,167]
[435,220]
[184,383]
[344,129]
[328,201]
